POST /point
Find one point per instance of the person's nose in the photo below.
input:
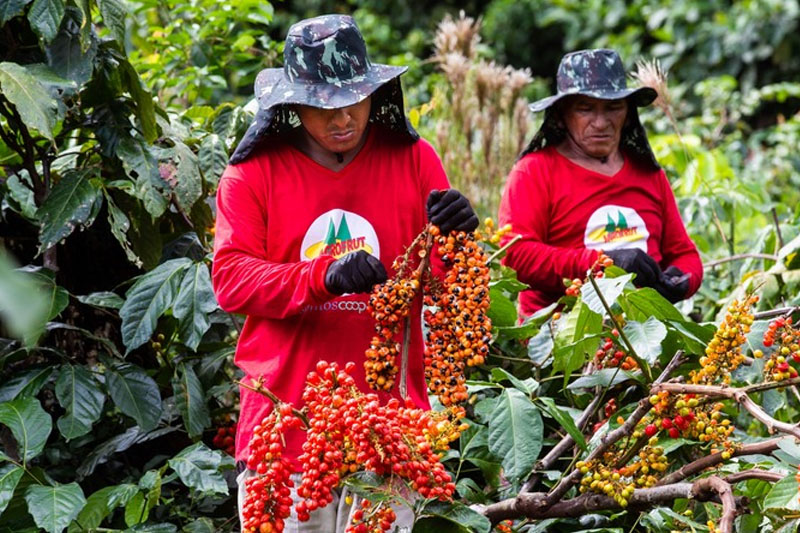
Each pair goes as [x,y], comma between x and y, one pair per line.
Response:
[600,120]
[340,118]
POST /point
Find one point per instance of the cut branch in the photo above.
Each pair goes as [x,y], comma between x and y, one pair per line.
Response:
[754,473]
[258,386]
[781,311]
[738,257]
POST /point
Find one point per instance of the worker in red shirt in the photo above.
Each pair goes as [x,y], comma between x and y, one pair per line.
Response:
[588,181]
[328,186]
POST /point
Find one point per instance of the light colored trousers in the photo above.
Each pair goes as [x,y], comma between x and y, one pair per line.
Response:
[333,518]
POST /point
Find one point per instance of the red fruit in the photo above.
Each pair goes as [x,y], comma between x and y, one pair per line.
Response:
[650,430]
[666,423]
[674,433]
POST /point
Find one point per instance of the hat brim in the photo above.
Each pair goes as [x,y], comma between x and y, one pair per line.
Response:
[641,96]
[273,88]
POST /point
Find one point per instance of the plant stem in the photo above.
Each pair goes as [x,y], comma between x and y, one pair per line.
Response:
[261,389]
[738,257]
[505,247]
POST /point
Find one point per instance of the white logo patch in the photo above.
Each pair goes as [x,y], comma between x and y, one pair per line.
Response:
[612,227]
[337,233]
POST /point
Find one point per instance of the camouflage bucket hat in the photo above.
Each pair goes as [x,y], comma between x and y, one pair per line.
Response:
[326,66]
[597,73]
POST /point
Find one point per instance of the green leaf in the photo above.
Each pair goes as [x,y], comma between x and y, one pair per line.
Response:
[610,288]
[25,384]
[66,54]
[113,13]
[783,495]
[646,338]
[148,299]
[145,108]
[23,306]
[190,400]
[37,109]
[100,504]
[199,469]
[55,84]
[201,525]
[502,310]
[57,298]
[118,443]
[566,421]
[19,189]
[53,508]
[10,475]
[152,528]
[194,302]
[540,346]
[695,337]
[575,338]
[119,228]
[29,424]
[641,304]
[135,510]
[212,158]
[11,8]
[81,396]
[189,186]
[135,393]
[69,205]
[515,433]
[500,374]
[607,377]
[45,18]
[142,167]
[106,299]
[457,513]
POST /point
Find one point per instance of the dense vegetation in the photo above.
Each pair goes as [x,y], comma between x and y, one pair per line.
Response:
[116,121]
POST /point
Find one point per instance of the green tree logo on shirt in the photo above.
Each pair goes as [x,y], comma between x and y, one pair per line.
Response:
[337,233]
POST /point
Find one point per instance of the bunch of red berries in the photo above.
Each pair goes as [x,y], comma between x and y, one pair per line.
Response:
[597,271]
[372,518]
[224,438]
[459,330]
[683,415]
[777,367]
[268,498]
[611,355]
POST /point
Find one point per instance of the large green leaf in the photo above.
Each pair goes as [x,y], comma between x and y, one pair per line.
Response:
[45,18]
[201,525]
[135,393]
[576,337]
[37,109]
[502,310]
[116,444]
[20,190]
[80,394]
[10,475]
[26,384]
[141,165]
[29,424]
[23,306]
[607,377]
[119,228]
[641,304]
[145,108]
[148,298]
[515,433]
[646,338]
[100,504]
[53,508]
[212,158]
[783,495]
[610,289]
[190,400]
[200,469]
[56,297]
[113,13]
[457,513]
[11,8]
[193,304]
[105,299]
[70,204]
[66,54]
[189,186]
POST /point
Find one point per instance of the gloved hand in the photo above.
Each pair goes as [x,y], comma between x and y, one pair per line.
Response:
[355,272]
[673,284]
[634,260]
[450,210]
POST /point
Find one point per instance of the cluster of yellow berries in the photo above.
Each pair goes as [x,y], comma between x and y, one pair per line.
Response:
[683,415]
[601,477]
[724,352]
[488,233]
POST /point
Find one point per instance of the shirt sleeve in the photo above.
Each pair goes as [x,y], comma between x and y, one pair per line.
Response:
[526,206]
[677,249]
[244,280]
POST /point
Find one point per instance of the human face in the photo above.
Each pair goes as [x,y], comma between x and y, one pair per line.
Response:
[595,125]
[336,130]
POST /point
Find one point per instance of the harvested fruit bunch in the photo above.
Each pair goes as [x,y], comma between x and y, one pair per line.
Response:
[348,431]
[786,340]
[371,518]
[459,330]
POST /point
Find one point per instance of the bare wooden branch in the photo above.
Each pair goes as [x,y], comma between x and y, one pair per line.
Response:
[780,311]
[738,257]
[701,487]
[754,473]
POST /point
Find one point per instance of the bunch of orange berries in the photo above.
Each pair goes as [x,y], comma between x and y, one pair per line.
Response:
[597,271]
[777,367]
[724,352]
[459,330]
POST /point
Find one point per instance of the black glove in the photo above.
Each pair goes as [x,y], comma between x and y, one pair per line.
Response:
[635,261]
[673,284]
[355,272]
[450,210]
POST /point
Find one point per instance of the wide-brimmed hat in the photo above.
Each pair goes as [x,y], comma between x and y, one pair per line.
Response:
[325,65]
[597,73]
[600,74]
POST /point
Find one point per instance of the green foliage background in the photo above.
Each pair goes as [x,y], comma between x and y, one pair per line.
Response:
[117,119]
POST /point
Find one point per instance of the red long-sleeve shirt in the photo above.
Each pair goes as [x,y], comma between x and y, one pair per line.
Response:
[566,213]
[281,220]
